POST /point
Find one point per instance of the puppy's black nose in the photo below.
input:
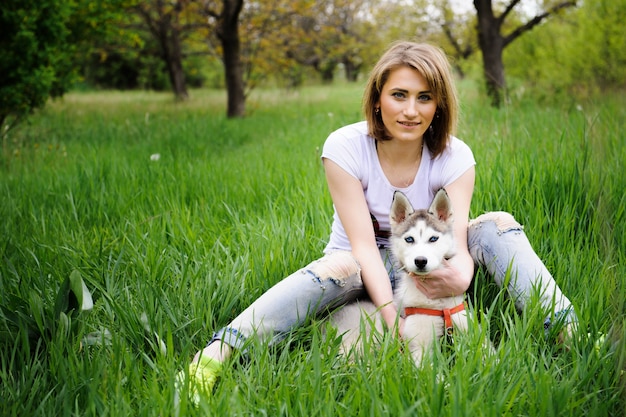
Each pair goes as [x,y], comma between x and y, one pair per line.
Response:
[421,262]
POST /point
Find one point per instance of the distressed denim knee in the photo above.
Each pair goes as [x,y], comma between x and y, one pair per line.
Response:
[483,240]
[326,283]
[497,242]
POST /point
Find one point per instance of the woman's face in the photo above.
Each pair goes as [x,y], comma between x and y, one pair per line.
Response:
[407,106]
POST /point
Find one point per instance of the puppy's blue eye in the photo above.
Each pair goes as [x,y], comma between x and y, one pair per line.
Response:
[433,239]
[409,239]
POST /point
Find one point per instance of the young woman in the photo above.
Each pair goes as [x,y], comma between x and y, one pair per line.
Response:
[406,144]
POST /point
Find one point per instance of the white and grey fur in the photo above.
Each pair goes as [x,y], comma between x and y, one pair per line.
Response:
[420,241]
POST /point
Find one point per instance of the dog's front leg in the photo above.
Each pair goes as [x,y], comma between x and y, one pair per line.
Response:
[420,332]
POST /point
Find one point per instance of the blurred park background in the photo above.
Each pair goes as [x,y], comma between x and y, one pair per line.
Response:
[543,49]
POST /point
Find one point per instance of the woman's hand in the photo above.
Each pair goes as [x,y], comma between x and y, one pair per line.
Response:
[400,327]
[443,282]
[394,322]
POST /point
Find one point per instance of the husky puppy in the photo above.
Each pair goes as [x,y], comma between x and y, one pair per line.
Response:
[420,241]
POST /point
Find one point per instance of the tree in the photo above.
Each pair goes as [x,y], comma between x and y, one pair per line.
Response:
[34,49]
[225,24]
[284,38]
[288,40]
[492,42]
[598,45]
[458,30]
[163,21]
[580,54]
[277,42]
[352,30]
[41,42]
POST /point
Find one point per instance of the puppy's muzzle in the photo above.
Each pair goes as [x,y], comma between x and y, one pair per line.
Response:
[420,263]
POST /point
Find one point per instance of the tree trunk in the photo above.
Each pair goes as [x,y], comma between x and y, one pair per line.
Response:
[175,65]
[328,75]
[351,70]
[491,44]
[228,32]
[164,26]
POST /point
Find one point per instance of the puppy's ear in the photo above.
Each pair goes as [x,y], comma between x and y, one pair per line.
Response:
[441,207]
[401,208]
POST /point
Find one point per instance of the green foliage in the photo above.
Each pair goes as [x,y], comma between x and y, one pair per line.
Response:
[229,207]
[580,53]
[42,44]
[598,52]
[33,46]
[27,310]
[126,70]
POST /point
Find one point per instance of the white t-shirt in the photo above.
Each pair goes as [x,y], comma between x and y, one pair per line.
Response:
[354,150]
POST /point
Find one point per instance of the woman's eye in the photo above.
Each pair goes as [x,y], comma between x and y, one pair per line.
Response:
[398,94]
[409,239]
[424,97]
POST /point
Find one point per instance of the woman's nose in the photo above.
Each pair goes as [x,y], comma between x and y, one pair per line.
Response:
[410,110]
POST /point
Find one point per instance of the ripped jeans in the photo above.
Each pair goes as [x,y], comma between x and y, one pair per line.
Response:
[496,242]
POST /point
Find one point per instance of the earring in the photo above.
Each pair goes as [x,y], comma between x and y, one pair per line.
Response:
[377,110]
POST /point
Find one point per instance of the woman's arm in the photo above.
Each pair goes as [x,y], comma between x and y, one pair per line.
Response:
[457,275]
[349,200]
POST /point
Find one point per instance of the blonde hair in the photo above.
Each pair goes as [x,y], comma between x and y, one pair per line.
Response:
[432,63]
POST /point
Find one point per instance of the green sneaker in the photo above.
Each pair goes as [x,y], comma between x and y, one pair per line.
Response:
[202,376]
[600,340]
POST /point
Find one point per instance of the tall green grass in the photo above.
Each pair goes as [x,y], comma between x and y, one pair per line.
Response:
[231,206]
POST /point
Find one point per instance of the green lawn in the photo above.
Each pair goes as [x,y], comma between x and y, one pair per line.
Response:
[231,206]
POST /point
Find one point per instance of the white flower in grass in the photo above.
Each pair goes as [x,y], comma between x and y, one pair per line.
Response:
[579,107]
[155,156]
